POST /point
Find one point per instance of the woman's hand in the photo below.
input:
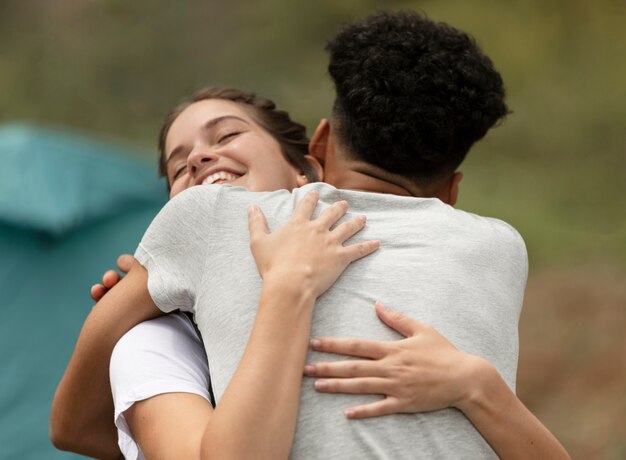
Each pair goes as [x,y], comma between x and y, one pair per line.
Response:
[111,277]
[423,372]
[306,253]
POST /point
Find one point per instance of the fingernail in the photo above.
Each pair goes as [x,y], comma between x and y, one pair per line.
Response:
[252,209]
[382,305]
[349,413]
[316,343]
[321,384]
[309,369]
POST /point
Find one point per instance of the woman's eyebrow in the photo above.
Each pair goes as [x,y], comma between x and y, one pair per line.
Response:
[215,121]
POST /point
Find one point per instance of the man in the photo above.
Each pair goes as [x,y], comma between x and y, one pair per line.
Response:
[412,98]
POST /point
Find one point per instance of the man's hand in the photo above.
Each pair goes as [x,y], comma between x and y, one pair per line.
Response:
[111,277]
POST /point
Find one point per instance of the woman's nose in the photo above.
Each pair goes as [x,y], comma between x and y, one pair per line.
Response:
[197,159]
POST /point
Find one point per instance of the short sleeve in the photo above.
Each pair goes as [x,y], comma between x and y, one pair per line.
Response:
[174,248]
[163,355]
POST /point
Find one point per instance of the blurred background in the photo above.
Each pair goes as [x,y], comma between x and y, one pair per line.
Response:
[106,72]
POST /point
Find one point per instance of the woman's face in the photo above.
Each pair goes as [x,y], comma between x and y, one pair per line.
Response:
[215,141]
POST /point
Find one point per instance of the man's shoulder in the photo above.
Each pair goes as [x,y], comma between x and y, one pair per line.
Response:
[488,224]
[197,194]
[222,197]
[432,210]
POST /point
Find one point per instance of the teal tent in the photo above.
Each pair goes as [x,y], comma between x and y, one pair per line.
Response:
[68,206]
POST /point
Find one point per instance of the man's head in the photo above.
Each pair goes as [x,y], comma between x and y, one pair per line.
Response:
[412,95]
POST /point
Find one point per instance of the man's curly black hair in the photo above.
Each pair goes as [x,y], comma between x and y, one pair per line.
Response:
[412,95]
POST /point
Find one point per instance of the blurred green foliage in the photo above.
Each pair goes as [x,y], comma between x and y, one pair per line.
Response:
[554,169]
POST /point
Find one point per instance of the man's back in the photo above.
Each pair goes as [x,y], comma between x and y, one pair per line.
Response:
[461,273]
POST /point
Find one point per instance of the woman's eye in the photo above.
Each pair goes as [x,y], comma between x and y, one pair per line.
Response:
[179,172]
[228,136]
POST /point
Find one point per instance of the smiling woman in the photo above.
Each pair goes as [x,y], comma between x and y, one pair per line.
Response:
[221,134]
[217,141]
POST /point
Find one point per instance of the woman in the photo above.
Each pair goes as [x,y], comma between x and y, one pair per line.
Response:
[184,169]
[220,127]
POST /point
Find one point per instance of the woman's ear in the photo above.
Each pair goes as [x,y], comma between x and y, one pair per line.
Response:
[302,178]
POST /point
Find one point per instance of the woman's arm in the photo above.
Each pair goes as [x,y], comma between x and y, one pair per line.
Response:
[161,359]
[256,416]
[425,372]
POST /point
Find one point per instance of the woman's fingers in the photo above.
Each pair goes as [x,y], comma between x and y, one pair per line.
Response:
[385,406]
[257,223]
[346,369]
[259,230]
[306,206]
[361,348]
[397,321]
[349,228]
[357,385]
[329,216]
[358,250]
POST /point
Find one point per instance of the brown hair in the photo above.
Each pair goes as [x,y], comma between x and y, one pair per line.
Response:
[290,135]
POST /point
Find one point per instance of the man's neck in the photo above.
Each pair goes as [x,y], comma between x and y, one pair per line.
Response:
[343,171]
[360,176]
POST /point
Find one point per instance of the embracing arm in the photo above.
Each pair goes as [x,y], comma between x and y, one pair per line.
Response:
[81,418]
[425,372]
[111,277]
[256,415]
[502,419]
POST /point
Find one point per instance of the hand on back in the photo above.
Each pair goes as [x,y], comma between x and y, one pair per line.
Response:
[307,253]
[422,372]
[111,277]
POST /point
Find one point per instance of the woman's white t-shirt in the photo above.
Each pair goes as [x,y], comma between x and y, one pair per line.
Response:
[163,355]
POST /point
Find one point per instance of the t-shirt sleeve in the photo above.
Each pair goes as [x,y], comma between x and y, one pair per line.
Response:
[174,248]
[164,355]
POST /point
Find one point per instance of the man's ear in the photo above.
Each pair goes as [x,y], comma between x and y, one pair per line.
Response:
[302,179]
[318,146]
[453,188]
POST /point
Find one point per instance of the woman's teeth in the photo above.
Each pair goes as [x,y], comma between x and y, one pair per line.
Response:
[221,175]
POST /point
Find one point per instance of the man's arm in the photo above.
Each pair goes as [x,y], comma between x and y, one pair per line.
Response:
[111,277]
[82,408]
[425,372]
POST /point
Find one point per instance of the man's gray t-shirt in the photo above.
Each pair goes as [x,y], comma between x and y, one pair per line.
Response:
[458,272]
